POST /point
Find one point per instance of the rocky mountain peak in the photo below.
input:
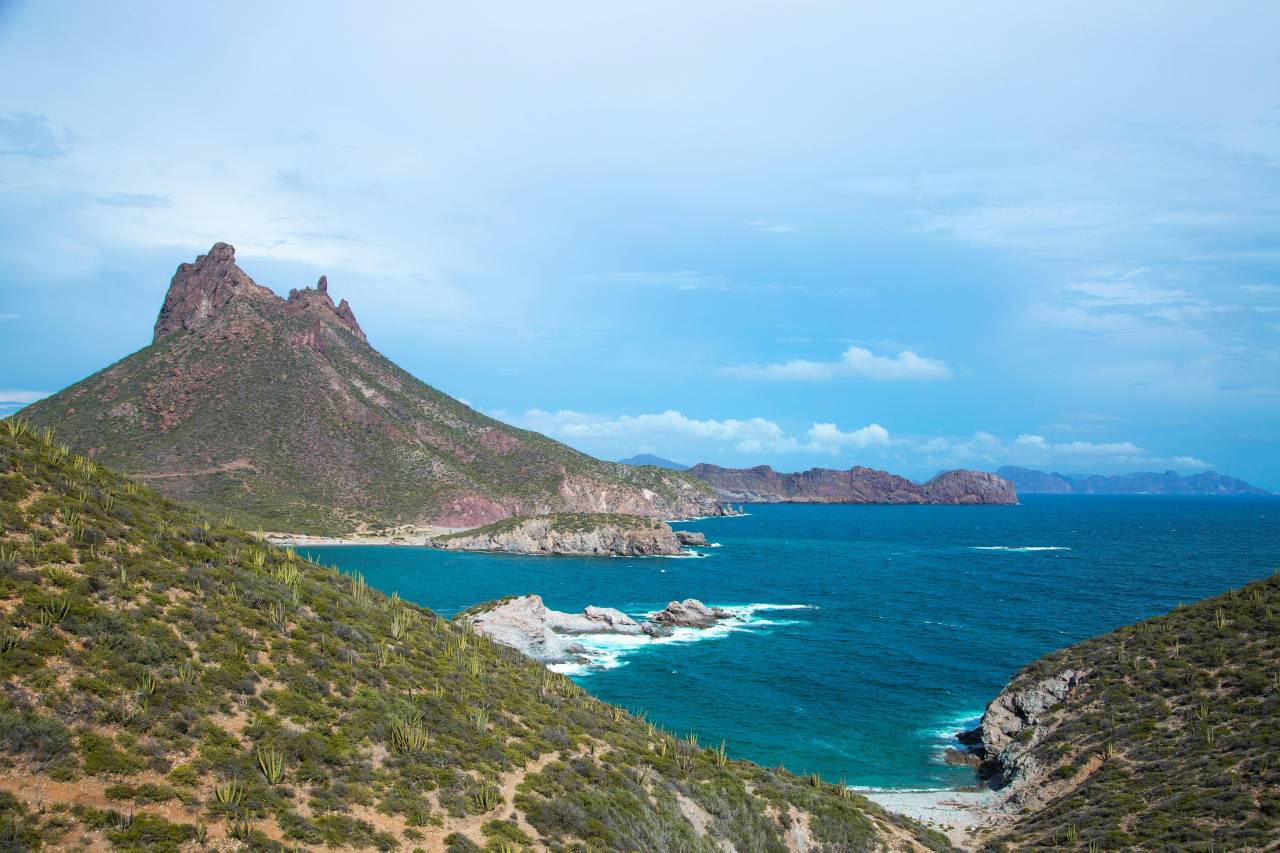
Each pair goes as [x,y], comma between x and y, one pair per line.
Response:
[318,298]
[199,290]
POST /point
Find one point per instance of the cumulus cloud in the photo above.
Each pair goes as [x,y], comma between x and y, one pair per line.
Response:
[23,397]
[854,363]
[672,428]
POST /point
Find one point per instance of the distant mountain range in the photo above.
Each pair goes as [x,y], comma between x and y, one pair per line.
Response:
[656,461]
[858,485]
[1030,481]
[279,412]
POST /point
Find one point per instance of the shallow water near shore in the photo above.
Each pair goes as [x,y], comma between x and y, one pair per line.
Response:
[868,634]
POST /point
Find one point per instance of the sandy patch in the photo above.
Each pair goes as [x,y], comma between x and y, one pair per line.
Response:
[954,813]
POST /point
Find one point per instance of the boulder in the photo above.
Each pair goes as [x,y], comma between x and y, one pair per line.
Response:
[689,613]
[691,537]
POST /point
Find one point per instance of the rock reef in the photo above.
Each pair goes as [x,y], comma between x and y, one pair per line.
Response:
[527,625]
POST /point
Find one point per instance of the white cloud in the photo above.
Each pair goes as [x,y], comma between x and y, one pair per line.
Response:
[854,363]
[768,227]
[23,397]
[671,428]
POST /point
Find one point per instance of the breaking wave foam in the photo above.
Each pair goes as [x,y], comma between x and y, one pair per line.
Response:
[610,651]
[1019,549]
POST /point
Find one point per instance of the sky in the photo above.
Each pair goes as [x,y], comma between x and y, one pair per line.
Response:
[911,236]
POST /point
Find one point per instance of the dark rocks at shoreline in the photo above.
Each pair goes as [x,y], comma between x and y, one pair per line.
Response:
[692,538]
[689,613]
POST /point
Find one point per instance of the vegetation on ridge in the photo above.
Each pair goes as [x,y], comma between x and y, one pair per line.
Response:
[169,682]
[1172,741]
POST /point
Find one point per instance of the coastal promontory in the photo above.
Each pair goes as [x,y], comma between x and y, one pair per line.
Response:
[591,534]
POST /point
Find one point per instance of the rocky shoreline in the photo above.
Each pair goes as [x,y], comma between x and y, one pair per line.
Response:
[527,625]
[575,534]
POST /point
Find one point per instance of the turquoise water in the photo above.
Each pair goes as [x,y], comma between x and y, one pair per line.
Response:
[914,616]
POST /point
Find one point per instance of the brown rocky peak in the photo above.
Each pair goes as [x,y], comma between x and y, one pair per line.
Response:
[317,298]
[199,290]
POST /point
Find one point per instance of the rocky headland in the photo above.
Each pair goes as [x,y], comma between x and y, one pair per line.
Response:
[1030,481]
[858,485]
[574,535]
[527,625]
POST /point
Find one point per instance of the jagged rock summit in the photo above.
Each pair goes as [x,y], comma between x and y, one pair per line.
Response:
[202,290]
[279,412]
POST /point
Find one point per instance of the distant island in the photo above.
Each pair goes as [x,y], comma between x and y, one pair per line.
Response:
[655,461]
[858,485]
[1028,481]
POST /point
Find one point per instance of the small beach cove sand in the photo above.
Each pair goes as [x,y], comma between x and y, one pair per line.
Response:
[398,536]
[955,813]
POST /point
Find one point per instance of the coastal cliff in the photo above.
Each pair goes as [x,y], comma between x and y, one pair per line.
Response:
[1160,735]
[569,534]
[858,485]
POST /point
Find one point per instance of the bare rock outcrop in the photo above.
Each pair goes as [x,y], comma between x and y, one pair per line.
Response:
[526,624]
[689,613]
[692,538]
[1012,725]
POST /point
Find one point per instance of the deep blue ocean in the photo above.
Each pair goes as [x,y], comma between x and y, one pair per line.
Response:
[913,616]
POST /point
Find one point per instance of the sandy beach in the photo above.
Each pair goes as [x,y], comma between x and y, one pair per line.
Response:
[954,813]
[398,536]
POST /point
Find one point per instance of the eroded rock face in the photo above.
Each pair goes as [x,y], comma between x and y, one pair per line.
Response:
[858,485]
[201,289]
[691,538]
[1009,728]
[568,535]
[690,613]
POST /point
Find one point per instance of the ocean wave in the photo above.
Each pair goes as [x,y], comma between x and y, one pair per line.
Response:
[610,651]
[1019,549]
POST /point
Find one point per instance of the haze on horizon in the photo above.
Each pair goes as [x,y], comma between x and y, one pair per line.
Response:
[787,233]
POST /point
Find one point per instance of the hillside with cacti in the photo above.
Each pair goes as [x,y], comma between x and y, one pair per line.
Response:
[169,682]
[1162,735]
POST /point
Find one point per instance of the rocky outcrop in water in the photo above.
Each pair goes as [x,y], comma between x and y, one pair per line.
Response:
[526,624]
[692,538]
[569,534]
[690,613]
[858,485]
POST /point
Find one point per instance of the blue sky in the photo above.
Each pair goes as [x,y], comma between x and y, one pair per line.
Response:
[796,233]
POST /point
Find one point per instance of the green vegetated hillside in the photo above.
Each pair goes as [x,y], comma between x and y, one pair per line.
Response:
[279,412]
[170,682]
[1171,740]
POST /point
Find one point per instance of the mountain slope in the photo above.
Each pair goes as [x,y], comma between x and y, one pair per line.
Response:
[656,461]
[1030,481]
[279,412]
[858,485]
[165,680]
[1164,735]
